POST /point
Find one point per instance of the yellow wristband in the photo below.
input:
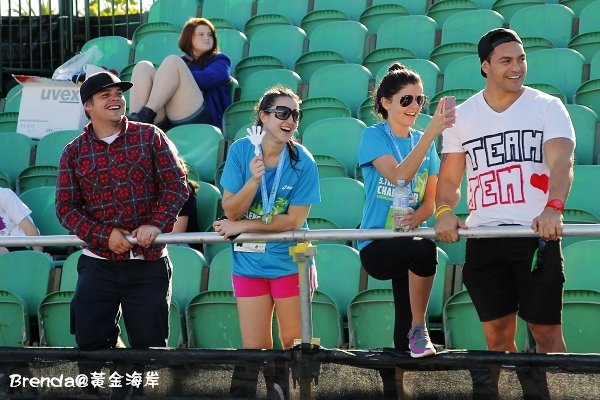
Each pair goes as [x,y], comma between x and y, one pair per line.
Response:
[442,209]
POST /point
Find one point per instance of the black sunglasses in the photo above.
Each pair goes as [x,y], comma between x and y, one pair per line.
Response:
[407,99]
[283,113]
[537,264]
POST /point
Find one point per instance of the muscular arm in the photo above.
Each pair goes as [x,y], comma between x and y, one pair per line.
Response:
[559,157]
[452,170]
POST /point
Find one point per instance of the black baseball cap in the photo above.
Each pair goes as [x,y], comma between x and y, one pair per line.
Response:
[98,81]
[493,39]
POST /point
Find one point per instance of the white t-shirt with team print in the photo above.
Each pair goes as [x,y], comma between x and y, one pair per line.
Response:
[506,172]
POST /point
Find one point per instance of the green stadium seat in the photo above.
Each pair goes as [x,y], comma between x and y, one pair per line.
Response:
[116,51]
[469,26]
[202,145]
[311,61]
[366,112]
[54,320]
[233,43]
[352,9]
[584,121]
[327,37]
[156,47]
[26,274]
[338,269]
[41,202]
[588,94]
[237,115]
[208,200]
[36,176]
[372,17]
[219,274]
[334,204]
[325,136]
[420,41]
[15,152]
[577,5]
[5,180]
[293,10]
[288,50]
[461,95]
[580,327]
[531,44]
[567,78]
[176,12]
[220,23]
[550,89]
[415,7]
[318,108]
[379,58]
[444,54]
[50,147]
[580,207]
[509,7]
[150,28]
[463,330]
[464,72]
[329,166]
[248,65]
[588,18]
[319,17]
[581,265]
[237,12]
[258,22]
[13,99]
[68,276]
[587,44]
[256,84]
[332,81]
[371,319]
[9,121]
[535,20]
[441,10]
[487,4]
[14,330]
[326,320]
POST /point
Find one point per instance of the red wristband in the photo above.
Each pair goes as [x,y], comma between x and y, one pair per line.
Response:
[557,204]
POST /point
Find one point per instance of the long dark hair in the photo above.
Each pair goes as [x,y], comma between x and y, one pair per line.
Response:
[185,41]
[397,77]
[267,101]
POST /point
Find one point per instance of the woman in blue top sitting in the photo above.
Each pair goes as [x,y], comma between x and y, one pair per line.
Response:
[189,89]
[267,187]
[390,151]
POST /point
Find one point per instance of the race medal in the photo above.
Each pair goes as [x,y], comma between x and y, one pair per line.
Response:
[266,218]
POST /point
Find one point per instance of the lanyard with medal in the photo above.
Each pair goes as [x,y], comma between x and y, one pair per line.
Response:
[399,158]
[255,135]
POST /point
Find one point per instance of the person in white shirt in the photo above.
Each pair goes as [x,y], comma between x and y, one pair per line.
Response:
[15,219]
[516,145]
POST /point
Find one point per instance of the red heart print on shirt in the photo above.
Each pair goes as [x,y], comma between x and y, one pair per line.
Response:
[540,182]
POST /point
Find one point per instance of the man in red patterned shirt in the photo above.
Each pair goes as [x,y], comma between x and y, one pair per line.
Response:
[117,178]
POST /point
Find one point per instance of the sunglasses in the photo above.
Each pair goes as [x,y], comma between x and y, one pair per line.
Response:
[407,100]
[537,263]
[283,113]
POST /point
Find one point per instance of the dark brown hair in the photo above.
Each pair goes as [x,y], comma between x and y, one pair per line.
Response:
[397,77]
[267,101]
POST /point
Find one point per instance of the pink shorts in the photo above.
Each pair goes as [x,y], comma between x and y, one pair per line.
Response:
[286,286]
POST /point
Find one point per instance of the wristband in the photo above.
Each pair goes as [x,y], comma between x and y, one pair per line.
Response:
[442,209]
[557,204]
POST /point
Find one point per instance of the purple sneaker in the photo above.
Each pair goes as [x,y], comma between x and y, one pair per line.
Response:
[419,343]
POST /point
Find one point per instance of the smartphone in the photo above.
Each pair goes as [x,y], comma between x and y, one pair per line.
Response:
[449,102]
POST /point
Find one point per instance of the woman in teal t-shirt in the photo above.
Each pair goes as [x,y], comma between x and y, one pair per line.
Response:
[390,151]
[267,191]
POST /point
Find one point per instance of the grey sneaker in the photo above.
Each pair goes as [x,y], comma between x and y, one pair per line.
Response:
[419,343]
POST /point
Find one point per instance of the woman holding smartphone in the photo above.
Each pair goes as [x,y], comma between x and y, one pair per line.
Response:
[390,151]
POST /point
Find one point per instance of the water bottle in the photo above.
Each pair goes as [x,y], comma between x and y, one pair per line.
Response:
[400,205]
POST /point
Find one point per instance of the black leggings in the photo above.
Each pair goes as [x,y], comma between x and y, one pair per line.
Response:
[392,259]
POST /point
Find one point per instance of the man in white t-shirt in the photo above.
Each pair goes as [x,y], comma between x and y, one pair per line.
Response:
[15,219]
[516,145]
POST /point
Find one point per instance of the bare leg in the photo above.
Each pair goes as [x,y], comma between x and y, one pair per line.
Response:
[419,289]
[288,317]
[175,90]
[142,77]
[256,317]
